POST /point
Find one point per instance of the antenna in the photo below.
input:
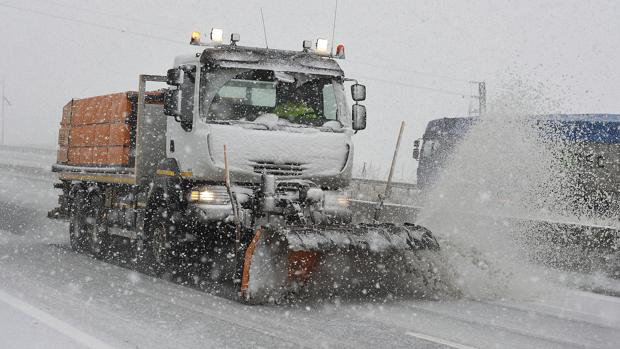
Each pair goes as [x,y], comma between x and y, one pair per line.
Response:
[264,29]
[331,53]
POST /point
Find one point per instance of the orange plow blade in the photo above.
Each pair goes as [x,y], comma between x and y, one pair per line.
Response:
[280,262]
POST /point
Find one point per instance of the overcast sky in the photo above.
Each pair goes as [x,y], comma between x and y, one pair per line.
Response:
[414,56]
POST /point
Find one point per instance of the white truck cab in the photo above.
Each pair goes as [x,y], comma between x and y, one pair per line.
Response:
[281,113]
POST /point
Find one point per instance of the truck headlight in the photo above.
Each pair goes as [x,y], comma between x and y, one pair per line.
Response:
[214,195]
[337,199]
[343,201]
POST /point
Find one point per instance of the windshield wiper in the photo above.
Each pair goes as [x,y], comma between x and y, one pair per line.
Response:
[266,127]
[254,123]
[236,122]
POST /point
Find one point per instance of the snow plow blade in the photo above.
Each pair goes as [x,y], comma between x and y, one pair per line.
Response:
[375,238]
[282,261]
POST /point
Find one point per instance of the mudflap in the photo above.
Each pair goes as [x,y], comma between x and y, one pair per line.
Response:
[357,259]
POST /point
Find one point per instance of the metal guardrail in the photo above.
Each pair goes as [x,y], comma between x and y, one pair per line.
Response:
[28,149]
[403,185]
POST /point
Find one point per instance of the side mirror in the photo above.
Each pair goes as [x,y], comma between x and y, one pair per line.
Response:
[174,77]
[172,102]
[179,99]
[358,92]
[359,117]
[416,149]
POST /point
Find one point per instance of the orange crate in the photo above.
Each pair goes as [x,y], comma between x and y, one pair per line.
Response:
[63,136]
[63,155]
[77,113]
[101,109]
[121,108]
[119,134]
[66,114]
[80,156]
[118,155]
[100,156]
[102,134]
[95,131]
[82,136]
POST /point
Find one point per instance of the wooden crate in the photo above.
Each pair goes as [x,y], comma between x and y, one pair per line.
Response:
[101,109]
[63,155]
[95,131]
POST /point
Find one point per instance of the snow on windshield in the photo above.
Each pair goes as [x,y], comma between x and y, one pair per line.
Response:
[304,99]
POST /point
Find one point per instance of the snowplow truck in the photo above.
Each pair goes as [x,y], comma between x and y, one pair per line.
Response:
[241,163]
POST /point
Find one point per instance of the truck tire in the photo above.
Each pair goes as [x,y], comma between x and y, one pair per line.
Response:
[157,255]
[97,239]
[77,226]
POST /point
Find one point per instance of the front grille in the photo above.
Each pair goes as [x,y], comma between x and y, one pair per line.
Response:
[278,169]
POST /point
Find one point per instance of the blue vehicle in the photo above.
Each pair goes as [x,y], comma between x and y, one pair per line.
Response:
[593,139]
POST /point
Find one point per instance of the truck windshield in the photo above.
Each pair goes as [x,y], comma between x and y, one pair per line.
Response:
[294,97]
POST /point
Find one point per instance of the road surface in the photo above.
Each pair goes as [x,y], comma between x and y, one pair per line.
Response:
[51,297]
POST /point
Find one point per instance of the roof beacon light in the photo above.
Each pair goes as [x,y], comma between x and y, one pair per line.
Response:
[195,40]
[321,46]
[340,51]
[217,35]
[234,38]
[307,45]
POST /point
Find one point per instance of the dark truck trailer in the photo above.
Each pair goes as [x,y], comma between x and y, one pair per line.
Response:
[591,144]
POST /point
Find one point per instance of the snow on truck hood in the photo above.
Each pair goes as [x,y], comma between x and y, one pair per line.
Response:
[281,152]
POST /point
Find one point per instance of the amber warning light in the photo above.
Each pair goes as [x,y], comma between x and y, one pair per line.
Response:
[195,38]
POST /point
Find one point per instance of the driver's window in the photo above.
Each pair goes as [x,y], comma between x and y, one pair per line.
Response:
[428,148]
[246,96]
[329,102]
[263,95]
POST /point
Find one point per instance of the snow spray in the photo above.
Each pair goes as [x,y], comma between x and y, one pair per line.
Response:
[501,170]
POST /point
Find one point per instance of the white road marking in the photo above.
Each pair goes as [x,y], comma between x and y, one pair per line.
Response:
[598,296]
[439,341]
[55,323]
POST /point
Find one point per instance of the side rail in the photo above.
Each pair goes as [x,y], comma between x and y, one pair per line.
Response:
[403,185]
[370,189]
[150,131]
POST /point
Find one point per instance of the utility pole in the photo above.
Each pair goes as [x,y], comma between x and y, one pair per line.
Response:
[388,185]
[4,100]
[481,97]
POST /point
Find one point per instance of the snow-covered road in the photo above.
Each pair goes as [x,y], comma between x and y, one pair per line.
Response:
[53,297]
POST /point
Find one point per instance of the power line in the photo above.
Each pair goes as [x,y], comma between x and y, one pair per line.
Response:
[386,67]
[93,24]
[108,27]
[110,15]
[438,90]
[154,37]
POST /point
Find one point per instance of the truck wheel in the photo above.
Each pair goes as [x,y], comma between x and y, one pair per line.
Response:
[159,245]
[97,238]
[77,226]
